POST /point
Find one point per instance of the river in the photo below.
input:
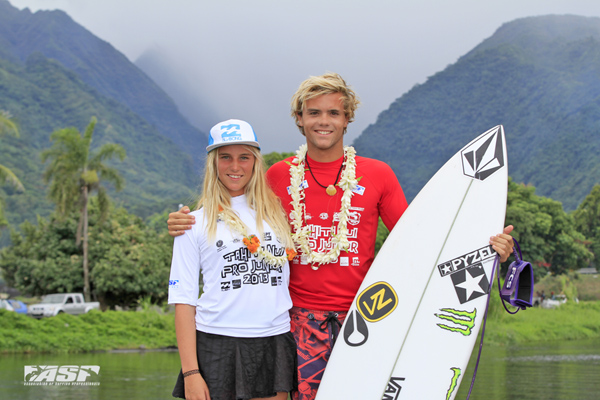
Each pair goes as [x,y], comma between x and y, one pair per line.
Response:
[558,371]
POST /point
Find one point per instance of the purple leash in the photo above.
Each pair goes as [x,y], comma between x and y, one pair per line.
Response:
[516,291]
[487,305]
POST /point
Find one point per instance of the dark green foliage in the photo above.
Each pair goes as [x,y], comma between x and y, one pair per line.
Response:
[274,157]
[156,171]
[546,233]
[539,77]
[587,220]
[128,260]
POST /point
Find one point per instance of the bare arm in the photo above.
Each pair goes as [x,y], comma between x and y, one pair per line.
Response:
[185,329]
[180,221]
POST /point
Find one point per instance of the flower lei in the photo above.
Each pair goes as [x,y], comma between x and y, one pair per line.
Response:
[301,233]
[253,243]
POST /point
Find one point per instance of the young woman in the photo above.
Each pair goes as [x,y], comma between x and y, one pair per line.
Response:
[234,341]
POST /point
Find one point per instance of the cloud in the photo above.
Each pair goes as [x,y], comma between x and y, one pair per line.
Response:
[245,59]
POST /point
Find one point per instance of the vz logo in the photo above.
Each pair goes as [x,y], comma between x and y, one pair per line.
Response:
[463,321]
[482,159]
[392,392]
[377,301]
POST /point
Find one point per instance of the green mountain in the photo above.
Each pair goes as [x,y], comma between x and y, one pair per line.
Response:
[53,75]
[98,64]
[538,76]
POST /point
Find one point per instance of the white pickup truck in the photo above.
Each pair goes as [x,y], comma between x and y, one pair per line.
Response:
[54,304]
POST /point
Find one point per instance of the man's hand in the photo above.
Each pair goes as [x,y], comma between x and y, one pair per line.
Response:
[502,243]
[180,221]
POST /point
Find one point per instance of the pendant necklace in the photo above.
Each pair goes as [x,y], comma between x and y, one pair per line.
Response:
[331,190]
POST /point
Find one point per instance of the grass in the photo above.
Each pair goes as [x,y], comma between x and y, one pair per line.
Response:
[94,331]
[570,321]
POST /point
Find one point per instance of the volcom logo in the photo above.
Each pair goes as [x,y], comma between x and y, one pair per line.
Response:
[66,375]
[392,392]
[463,321]
[485,156]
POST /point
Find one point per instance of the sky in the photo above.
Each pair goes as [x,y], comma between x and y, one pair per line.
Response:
[245,59]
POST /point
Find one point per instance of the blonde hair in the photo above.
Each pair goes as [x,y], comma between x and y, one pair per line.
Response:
[316,86]
[259,196]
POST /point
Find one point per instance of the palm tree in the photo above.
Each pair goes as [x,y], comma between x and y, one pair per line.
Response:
[8,127]
[74,173]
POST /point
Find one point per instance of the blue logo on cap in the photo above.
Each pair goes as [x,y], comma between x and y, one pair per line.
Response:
[231,133]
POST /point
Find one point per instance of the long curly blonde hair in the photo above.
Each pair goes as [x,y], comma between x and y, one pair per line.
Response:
[259,196]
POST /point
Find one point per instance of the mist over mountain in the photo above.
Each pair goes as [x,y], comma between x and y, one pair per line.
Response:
[98,64]
[537,76]
[195,106]
[54,74]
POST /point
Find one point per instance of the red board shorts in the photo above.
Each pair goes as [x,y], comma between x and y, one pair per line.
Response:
[315,333]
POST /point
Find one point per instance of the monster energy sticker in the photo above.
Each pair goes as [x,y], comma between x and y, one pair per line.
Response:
[467,273]
[392,392]
[484,157]
[454,382]
[462,321]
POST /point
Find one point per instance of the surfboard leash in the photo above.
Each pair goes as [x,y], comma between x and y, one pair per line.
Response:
[516,291]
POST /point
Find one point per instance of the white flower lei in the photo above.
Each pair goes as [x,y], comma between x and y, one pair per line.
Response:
[301,233]
[261,254]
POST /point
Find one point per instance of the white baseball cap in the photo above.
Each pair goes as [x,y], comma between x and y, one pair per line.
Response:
[232,131]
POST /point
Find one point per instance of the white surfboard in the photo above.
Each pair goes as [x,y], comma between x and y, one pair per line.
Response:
[412,326]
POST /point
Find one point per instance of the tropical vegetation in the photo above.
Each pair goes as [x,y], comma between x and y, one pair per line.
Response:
[74,173]
[8,127]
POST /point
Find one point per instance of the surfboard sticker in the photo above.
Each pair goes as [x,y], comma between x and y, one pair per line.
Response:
[462,321]
[377,301]
[392,392]
[467,273]
[483,157]
[454,383]
[466,260]
[356,332]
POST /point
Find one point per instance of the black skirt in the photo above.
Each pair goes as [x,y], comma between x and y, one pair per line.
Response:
[244,368]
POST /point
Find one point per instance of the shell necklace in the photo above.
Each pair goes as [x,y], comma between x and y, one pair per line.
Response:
[300,234]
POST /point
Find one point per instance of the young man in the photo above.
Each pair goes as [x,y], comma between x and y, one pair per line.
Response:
[333,199]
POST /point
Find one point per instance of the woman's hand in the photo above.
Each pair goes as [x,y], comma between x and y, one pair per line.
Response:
[196,388]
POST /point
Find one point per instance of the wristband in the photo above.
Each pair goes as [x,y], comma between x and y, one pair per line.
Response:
[191,372]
